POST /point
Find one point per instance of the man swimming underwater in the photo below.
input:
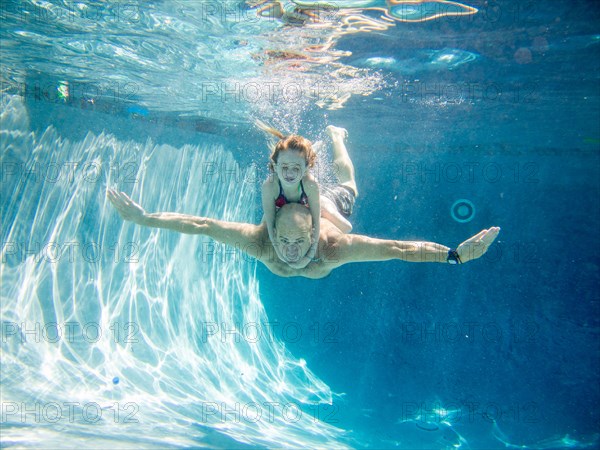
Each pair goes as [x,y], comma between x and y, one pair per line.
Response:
[293,234]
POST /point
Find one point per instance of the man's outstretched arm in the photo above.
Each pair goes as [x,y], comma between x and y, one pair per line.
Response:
[245,236]
[355,248]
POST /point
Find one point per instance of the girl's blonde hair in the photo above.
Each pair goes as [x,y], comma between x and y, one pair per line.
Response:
[290,142]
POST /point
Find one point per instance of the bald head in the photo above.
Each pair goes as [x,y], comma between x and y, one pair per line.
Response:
[293,227]
[294,215]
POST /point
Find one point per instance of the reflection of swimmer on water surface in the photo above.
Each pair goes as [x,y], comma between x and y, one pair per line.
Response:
[285,10]
[269,57]
[293,59]
[352,13]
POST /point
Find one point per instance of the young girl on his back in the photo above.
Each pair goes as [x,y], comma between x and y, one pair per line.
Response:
[290,182]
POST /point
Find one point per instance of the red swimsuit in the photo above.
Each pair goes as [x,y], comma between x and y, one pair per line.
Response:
[281,200]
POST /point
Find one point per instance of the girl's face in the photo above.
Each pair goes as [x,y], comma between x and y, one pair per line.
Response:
[290,167]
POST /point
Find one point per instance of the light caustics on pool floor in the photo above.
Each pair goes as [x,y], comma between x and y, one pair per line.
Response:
[117,333]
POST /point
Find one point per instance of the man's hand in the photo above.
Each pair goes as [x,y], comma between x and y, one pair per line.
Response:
[127,208]
[476,246]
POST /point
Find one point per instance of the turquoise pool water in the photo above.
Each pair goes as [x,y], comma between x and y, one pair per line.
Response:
[460,117]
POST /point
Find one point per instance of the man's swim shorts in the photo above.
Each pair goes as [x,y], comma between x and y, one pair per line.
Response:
[342,196]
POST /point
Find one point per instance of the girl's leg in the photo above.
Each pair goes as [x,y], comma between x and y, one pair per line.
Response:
[341,161]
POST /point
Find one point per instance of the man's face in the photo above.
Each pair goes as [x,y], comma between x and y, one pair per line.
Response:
[293,237]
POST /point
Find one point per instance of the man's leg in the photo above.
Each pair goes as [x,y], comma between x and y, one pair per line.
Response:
[341,161]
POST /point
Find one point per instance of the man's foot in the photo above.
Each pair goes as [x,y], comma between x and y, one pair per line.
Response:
[336,132]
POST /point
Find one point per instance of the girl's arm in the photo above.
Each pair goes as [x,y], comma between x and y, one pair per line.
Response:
[311,188]
[268,204]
